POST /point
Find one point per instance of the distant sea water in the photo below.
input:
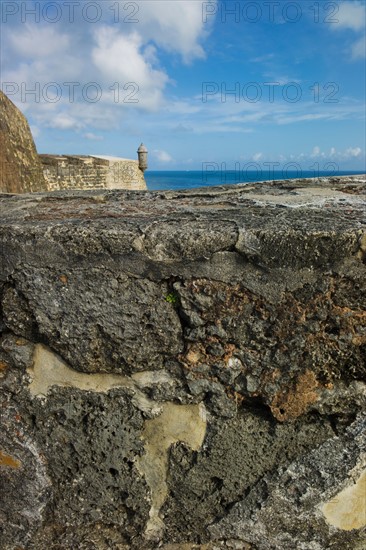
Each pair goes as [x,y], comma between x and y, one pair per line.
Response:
[163,180]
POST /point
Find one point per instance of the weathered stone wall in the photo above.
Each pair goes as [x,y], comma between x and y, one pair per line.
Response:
[184,370]
[88,172]
[20,168]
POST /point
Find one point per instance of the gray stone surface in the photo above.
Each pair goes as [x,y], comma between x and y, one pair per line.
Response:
[184,370]
[285,507]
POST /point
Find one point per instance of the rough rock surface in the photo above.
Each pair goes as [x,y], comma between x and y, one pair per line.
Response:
[184,370]
[20,168]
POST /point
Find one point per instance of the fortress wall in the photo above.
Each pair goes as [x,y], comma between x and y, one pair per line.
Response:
[87,172]
[184,370]
[20,169]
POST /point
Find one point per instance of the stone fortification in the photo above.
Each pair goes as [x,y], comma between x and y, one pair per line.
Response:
[184,370]
[20,168]
[88,172]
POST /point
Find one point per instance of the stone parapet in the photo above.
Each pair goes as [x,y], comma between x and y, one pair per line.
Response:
[64,172]
[184,370]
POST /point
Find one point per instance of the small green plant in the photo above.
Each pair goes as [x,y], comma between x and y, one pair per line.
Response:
[172,298]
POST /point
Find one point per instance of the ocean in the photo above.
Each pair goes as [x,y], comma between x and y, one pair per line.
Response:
[188,179]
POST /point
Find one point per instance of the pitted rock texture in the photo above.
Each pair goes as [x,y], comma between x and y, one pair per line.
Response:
[184,370]
[20,168]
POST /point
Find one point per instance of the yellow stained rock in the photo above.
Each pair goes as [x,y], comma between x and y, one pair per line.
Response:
[347,510]
[177,423]
[9,461]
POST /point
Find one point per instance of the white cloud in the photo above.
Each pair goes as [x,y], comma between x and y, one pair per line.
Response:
[92,137]
[347,154]
[359,48]
[241,118]
[350,15]
[331,155]
[38,54]
[120,58]
[162,156]
[41,55]
[262,58]
[64,121]
[175,25]
[257,156]
[36,41]
[288,119]
[209,128]
[353,152]
[280,80]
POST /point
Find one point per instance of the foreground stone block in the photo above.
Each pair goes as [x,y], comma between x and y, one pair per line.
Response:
[184,370]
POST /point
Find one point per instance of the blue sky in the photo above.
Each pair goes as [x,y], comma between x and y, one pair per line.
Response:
[223,82]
